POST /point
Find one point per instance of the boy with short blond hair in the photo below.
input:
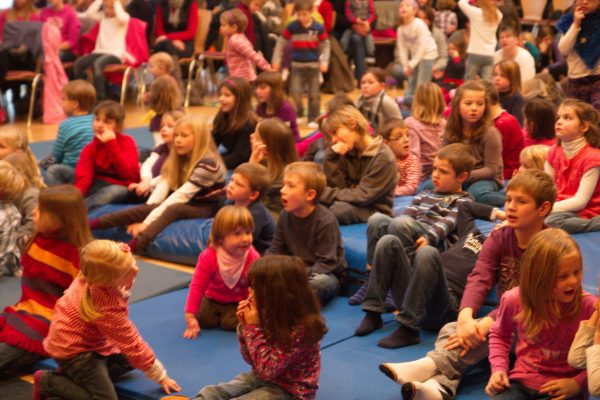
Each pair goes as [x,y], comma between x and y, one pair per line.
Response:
[248,184]
[160,63]
[74,133]
[462,344]
[309,230]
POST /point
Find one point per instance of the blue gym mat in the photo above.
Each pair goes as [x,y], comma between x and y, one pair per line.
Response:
[10,290]
[154,280]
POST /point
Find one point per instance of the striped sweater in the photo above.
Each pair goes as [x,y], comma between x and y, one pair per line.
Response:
[310,45]
[241,58]
[74,133]
[49,266]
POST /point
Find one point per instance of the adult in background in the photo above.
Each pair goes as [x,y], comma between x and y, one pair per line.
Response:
[176,25]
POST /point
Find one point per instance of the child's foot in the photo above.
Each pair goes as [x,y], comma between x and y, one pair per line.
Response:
[419,370]
[359,296]
[370,323]
[430,390]
[37,381]
[401,337]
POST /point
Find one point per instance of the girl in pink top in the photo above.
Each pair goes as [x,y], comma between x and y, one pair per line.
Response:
[544,313]
[239,54]
[91,336]
[220,279]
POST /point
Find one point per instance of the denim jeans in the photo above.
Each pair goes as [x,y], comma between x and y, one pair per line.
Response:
[398,73]
[298,78]
[326,286]
[102,193]
[487,192]
[12,357]
[361,47]
[421,74]
[98,61]
[478,64]
[516,391]
[59,174]
[245,386]
[85,376]
[573,223]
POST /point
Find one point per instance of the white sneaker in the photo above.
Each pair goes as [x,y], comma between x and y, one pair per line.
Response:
[370,60]
[313,125]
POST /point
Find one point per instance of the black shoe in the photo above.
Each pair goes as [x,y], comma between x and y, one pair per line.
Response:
[390,373]
[408,391]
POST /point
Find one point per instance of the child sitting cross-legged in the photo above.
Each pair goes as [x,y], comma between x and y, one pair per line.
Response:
[310,231]
[247,185]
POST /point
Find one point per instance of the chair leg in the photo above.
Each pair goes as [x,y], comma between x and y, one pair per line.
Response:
[34,84]
[188,88]
[124,84]
[141,85]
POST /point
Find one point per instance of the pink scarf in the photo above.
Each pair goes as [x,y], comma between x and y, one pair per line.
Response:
[231,267]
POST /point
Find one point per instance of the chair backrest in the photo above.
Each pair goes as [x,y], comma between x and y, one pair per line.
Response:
[204,18]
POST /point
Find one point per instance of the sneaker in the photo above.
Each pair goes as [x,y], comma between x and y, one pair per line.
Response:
[37,380]
[370,60]
[313,125]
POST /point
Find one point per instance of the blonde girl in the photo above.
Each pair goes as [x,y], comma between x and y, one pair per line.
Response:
[426,125]
[12,185]
[373,102]
[235,121]
[150,169]
[192,185]
[532,157]
[50,263]
[574,163]
[164,96]
[279,333]
[549,299]
[91,336]
[360,169]
[470,123]
[220,279]
[484,21]
[273,146]
[506,78]
[272,102]
[12,140]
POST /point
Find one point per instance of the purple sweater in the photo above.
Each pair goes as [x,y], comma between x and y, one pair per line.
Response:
[68,21]
[286,113]
[425,142]
[540,360]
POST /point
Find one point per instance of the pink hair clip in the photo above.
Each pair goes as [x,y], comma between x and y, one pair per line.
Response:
[124,247]
[231,83]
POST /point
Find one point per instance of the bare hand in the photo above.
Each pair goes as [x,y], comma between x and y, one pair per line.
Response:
[276,67]
[500,215]
[143,188]
[498,383]
[132,187]
[193,327]
[247,312]
[106,135]
[561,389]
[324,68]
[467,333]
[160,39]
[135,229]
[421,242]
[340,148]
[578,16]
[500,225]
[408,71]
[169,385]
[179,44]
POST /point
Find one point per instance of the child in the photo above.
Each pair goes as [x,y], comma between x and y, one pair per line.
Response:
[192,185]
[395,134]
[463,344]
[470,123]
[310,57]
[454,74]
[272,102]
[91,337]
[239,54]
[361,169]
[431,219]
[50,263]
[161,64]
[65,17]
[279,333]
[110,43]
[373,102]
[220,278]
[235,121]
[579,44]
[164,96]
[12,185]
[426,125]
[445,17]
[484,21]
[74,133]
[109,164]
[246,187]
[308,230]
[417,50]
[539,116]
[152,166]
[273,146]
[507,81]
[549,299]
[533,157]
[509,128]
[574,164]
[510,50]
[360,15]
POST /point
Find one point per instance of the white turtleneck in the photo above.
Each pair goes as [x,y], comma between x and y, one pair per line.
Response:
[587,184]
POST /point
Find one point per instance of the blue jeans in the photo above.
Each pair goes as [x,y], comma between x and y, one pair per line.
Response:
[479,65]
[326,286]
[102,193]
[98,61]
[245,386]
[59,174]
[362,47]
[573,223]
[421,73]
[487,192]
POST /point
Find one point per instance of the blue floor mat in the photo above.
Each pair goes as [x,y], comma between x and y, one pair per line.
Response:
[154,280]
[10,290]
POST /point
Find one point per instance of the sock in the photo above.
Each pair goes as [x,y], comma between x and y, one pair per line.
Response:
[371,322]
[419,370]
[401,337]
[429,390]
[359,296]
[94,223]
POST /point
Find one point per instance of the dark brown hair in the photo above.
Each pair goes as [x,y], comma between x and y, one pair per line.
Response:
[541,114]
[586,114]
[454,127]
[111,110]
[275,82]
[512,72]
[377,73]
[257,176]
[281,146]
[303,5]
[459,156]
[389,125]
[242,113]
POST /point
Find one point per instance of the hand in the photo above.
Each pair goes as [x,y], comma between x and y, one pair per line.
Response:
[179,44]
[466,330]
[135,229]
[578,16]
[408,71]
[498,383]
[193,327]
[143,188]
[247,312]
[421,242]
[545,71]
[500,215]
[169,385]
[276,67]
[106,135]
[500,225]
[132,187]
[340,148]
[561,389]
[438,74]
[160,39]
[259,152]
[324,68]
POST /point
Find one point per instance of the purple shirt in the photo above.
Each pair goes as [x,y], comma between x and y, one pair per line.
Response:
[286,113]
[68,22]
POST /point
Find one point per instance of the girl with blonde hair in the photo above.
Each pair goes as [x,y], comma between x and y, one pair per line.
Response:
[91,336]
[533,157]
[192,185]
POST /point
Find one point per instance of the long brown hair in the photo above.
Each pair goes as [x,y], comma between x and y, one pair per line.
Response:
[511,71]
[454,127]
[242,113]
[281,147]
[586,114]
[164,94]
[24,13]
[277,96]
[539,271]
[489,8]
[285,299]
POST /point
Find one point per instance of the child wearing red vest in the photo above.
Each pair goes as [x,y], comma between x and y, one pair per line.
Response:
[574,163]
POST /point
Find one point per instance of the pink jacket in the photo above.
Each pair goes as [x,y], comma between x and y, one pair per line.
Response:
[54,74]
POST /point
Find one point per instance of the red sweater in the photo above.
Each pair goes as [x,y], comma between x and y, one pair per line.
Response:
[184,36]
[115,162]
[512,141]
